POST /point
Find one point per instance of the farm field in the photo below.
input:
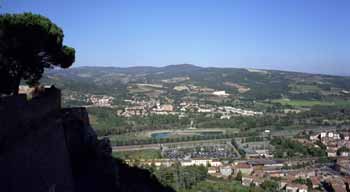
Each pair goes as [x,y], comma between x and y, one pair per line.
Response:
[170,133]
[138,154]
[308,103]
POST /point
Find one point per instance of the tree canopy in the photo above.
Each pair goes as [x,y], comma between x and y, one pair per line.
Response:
[29,43]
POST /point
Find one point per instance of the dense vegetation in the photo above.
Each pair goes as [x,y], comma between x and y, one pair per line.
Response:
[290,148]
[138,155]
[107,122]
[181,178]
[222,186]
[28,44]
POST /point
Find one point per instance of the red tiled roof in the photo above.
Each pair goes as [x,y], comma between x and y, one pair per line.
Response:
[315,181]
[243,166]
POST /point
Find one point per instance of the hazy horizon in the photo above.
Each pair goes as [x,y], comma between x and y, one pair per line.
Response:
[125,67]
[294,35]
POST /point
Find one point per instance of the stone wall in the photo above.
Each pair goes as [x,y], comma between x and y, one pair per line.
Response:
[48,149]
[38,161]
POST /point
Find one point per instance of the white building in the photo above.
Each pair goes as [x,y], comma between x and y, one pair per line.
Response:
[226,171]
[220,93]
[216,163]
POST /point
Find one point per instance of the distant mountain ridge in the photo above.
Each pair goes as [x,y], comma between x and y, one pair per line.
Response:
[143,68]
[257,84]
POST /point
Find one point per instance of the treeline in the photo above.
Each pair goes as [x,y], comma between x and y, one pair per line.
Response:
[285,147]
[107,122]
[179,139]
[178,177]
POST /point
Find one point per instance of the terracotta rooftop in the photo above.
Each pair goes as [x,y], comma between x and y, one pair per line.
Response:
[243,166]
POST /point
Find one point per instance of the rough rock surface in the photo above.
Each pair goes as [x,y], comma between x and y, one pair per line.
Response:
[60,152]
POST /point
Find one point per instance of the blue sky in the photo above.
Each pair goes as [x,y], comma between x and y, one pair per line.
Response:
[299,35]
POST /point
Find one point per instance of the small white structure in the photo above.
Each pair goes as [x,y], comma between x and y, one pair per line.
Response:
[226,171]
[216,163]
[220,93]
[212,170]
[330,134]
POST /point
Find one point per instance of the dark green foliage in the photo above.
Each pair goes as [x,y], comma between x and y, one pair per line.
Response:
[181,177]
[239,176]
[105,121]
[304,182]
[290,148]
[270,185]
[222,186]
[28,44]
[161,121]
[343,149]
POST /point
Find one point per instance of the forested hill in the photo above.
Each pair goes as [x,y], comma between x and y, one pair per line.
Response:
[239,83]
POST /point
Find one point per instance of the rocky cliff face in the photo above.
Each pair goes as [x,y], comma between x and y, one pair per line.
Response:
[58,152]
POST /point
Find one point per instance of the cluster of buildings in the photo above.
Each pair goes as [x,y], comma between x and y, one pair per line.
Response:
[226,112]
[220,93]
[146,108]
[255,172]
[143,108]
[100,100]
[202,90]
[337,144]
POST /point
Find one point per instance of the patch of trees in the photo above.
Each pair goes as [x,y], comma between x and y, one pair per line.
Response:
[342,150]
[270,185]
[29,43]
[302,181]
[223,186]
[105,121]
[181,178]
[172,140]
[285,147]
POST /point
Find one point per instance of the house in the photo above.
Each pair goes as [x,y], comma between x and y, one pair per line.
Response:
[331,153]
[344,154]
[167,108]
[315,182]
[257,181]
[196,162]
[212,170]
[266,164]
[302,188]
[292,187]
[216,163]
[185,163]
[314,137]
[202,110]
[337,185]
[330,134]
[203,162]
[226,171]
[246,181]
[220,93]
[244,168]
[276,173]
